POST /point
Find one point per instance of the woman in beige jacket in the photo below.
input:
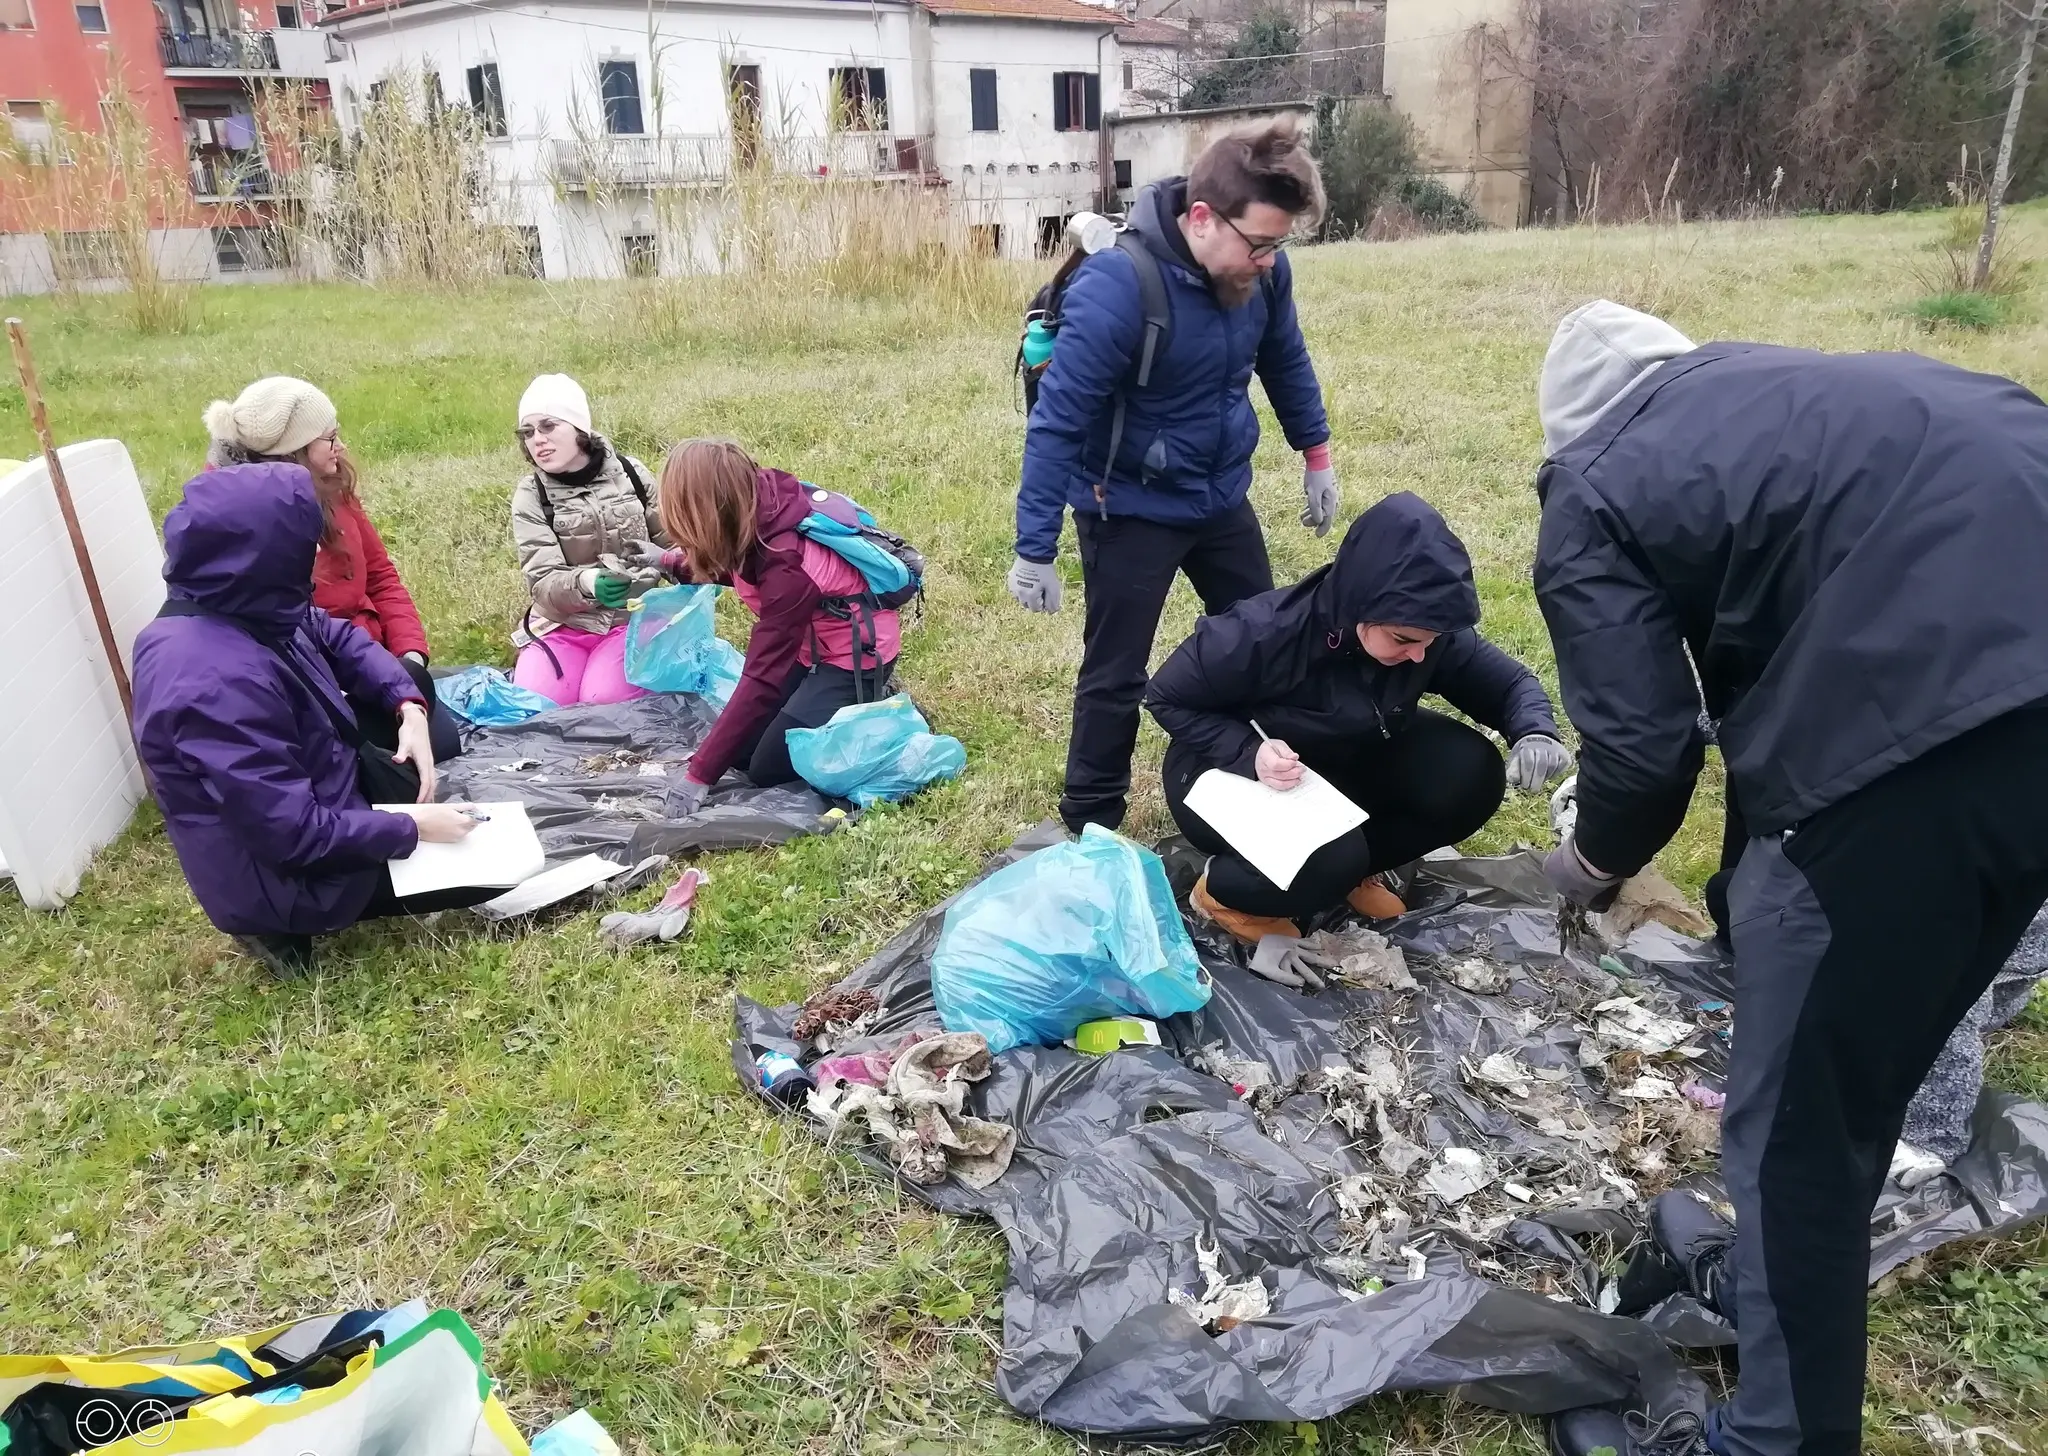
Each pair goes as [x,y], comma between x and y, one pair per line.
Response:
[586,528]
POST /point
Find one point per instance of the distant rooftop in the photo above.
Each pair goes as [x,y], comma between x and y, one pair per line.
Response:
[1074,12]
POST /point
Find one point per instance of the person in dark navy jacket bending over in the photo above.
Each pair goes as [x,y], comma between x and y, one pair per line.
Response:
[1173,499]
[1333,669]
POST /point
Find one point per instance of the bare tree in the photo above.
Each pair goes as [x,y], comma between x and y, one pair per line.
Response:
[1994,205]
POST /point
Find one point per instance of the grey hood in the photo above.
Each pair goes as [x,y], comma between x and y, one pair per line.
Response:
[1599,351]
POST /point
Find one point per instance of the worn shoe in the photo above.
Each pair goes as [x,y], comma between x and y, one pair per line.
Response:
[1375,901]
[286,957]
[1696,1241]
[1250,929]
[1598,1428]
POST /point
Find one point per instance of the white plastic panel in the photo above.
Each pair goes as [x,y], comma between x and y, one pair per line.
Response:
[68,776]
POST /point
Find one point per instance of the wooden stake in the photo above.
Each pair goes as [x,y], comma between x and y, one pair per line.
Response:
[40,419]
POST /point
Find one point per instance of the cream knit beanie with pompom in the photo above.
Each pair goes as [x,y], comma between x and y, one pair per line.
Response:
[275,416]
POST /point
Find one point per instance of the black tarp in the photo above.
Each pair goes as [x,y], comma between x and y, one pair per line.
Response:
[1128,1163]
[597,778]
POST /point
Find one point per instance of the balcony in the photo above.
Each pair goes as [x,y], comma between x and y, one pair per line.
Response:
[646,162]
[233,177]
[299,53]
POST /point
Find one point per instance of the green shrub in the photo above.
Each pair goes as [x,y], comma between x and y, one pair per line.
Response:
[1961,309]
[1366,153]
[1440,209]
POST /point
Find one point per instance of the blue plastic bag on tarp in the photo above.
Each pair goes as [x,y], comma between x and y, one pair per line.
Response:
[1076,932]
[672,647]
[488,698]
[874,751]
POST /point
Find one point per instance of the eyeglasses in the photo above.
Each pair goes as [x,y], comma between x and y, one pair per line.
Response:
[332,439]
[541,426]
[1253,248]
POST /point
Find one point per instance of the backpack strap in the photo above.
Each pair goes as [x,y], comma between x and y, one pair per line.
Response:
[639,485]
[1158,321]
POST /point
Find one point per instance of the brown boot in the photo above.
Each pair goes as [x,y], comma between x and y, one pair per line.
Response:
[1375,901]
[1247,928]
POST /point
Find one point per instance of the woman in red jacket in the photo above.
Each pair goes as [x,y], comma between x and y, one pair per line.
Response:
[735,523]
[354,579]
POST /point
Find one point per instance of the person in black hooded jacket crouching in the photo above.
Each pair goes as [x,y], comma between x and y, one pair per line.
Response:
[1333,670]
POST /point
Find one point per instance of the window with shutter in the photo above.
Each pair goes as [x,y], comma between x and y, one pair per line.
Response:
[487,98]
[982,83]
[1076,101]
[860,98]
[618,84]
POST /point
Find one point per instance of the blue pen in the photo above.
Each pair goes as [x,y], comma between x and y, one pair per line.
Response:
[474,816]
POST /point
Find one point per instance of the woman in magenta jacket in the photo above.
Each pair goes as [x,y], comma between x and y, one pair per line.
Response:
[735,523]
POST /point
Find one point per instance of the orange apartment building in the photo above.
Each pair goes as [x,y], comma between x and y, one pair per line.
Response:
[193,69]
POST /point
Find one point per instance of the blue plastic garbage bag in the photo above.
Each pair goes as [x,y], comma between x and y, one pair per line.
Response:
[874,751]
[672,647]
[488,698]
[1077,932]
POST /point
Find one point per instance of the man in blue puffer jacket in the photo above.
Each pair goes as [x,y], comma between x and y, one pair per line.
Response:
[1174,497]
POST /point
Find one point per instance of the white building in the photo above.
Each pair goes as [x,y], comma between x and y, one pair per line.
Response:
[1155,63]
[605,112]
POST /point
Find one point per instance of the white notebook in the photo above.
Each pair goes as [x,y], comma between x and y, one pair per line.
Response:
[1276,829]
[498,854]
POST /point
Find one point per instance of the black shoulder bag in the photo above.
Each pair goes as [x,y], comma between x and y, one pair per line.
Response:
[379,774]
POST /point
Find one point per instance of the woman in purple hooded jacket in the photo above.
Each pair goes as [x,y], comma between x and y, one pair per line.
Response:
[259,791]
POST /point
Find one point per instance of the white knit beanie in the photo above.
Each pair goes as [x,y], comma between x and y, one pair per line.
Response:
[559,396]
[275,416]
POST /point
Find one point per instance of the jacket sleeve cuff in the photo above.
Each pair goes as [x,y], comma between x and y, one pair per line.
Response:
[1023,555]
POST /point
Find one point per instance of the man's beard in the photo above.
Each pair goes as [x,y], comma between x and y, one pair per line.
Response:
[1233,292]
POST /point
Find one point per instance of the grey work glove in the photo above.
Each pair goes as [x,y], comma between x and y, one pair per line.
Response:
[1283,960]
[686,798]
[1579,882]
[415,657]
[1535,761]
[1035,585]
[1320,486]
[622,928]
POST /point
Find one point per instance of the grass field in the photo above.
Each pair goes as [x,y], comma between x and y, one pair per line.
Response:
[549,1137]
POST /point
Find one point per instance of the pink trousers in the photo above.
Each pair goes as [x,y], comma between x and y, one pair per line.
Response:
[593,667]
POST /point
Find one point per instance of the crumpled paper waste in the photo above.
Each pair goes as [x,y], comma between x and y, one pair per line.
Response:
[918,1117]
[1221,1305]
[1361,958]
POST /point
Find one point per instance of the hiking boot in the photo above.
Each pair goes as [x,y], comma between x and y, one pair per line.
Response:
[1695,1239]
[1250,929]
[286,957]
[1594,1428]
[1375,901]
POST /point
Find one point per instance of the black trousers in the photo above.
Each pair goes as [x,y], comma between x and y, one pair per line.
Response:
[384,904]
[1862,937]
[1434,783]
[380,726]
[1127,568]
[809,699]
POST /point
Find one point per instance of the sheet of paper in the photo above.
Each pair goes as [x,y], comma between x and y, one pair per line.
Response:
[550,887]
[1276,830]
[498,854]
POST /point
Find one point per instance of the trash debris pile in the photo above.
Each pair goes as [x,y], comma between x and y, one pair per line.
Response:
[596,779]
[1423,1172]
[917,1113]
